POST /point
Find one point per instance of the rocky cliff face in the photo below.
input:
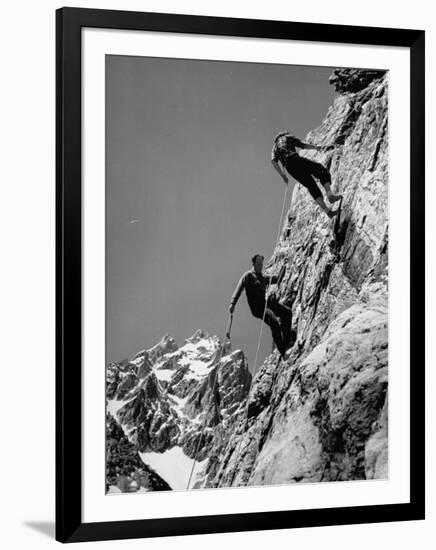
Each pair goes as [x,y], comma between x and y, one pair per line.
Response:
[125,471]
[322,415]
[171,398]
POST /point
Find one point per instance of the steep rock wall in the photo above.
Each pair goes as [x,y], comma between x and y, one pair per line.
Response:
[322,415]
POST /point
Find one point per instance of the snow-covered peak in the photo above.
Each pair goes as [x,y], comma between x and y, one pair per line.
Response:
[194,359]
[174,397]
[166,345]
[197,336]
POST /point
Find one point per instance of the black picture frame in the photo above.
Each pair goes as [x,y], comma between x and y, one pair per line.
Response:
[69,524]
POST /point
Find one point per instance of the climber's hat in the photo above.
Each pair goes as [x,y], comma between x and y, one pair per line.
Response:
[280,134]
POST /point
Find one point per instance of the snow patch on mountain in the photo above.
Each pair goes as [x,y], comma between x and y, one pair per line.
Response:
[173,466]
[172,403]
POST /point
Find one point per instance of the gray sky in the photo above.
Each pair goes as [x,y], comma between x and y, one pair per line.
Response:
[190,191]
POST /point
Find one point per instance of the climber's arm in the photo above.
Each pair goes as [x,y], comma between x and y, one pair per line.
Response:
[276,279]
[280,170]
[303,145]
[236,294]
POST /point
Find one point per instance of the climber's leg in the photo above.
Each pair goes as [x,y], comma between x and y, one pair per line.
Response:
[321,172]
[301,169]
[331,196]
[276,331]
[284,313]
[330,213]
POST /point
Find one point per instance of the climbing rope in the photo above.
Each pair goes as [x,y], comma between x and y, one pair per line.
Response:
[229,324]
[260,332]
[227,337]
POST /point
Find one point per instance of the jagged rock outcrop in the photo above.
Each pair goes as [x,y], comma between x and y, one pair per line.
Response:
[322,415]
[353,80]
[125,471]
[168,397]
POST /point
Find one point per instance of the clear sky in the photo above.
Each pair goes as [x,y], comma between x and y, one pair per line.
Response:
[190,191]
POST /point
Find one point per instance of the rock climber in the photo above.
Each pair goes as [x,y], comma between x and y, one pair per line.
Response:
[303,169]
[277,316]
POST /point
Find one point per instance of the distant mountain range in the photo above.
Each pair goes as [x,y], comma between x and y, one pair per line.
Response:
[164,400]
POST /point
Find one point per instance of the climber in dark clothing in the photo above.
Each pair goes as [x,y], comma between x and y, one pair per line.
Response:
[277,316]
[303,169]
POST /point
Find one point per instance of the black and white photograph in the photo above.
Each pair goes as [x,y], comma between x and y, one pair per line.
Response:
[246,297]
[218,306]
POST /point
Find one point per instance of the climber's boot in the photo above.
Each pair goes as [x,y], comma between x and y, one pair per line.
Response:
[334,198]
[291,339]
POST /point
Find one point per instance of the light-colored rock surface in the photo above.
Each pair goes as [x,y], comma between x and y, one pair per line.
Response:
[322,415]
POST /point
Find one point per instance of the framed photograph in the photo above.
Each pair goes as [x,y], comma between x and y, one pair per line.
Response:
[240,274]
